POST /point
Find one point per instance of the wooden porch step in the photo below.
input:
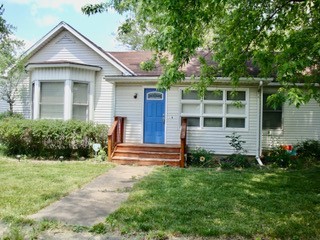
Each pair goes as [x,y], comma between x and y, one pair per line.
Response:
[169,148]
[147,154]
[145,161]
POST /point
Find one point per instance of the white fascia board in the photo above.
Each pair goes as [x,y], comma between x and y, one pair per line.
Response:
[276,84]
[60,26]
[119,79]
[130,79]
[70,65]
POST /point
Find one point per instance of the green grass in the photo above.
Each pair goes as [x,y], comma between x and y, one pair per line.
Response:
[205,202]
[28,186]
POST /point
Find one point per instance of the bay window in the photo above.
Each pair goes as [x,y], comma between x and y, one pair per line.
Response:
[63,100]
[218,108]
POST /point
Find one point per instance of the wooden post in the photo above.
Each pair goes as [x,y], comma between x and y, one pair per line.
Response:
[183,141]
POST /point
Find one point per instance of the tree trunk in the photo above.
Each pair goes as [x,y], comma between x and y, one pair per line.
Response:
[11,107]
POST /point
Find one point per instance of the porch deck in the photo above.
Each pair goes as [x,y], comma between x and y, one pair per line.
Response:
[145,154]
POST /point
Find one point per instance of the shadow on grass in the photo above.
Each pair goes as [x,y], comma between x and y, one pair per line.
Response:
[205,202]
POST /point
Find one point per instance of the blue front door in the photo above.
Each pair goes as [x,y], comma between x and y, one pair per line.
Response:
[154,116]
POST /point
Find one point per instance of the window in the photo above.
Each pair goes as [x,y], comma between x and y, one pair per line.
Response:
[217,109]
[52,100]
[272,118]
[80,101]
[155,96]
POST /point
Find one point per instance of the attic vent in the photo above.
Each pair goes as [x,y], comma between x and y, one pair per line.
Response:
[65,39]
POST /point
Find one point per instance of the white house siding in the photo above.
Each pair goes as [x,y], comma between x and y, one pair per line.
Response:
[23,101]
[3,106]
[298,124]
[66,47]
[131,108]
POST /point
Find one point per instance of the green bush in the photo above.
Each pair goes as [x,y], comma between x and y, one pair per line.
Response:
[279,157]
[51,138]
[308,150]
[200,157]
[10,115]
[235,161]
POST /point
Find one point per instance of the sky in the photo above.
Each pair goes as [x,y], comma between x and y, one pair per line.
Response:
[35,18]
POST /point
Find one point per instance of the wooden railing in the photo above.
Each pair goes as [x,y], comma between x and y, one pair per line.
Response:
[115,135]
[183,141]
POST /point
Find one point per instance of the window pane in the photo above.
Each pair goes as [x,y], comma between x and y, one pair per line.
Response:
[193,122]
[52,92]
[213,95]
[213,108]
[51,111]
[155,96]
[79,112]
[236,123]
[232,109]
[80,93]
[272,120]
[191,108]
[190,95]
[236,95]
[51,100]
[212,122]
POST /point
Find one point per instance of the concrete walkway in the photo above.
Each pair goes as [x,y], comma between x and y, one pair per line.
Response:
[91,204]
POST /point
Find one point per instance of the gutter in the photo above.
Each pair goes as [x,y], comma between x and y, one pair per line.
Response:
[259,133]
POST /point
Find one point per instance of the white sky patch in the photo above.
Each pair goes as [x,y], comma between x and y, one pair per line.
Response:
[47,20]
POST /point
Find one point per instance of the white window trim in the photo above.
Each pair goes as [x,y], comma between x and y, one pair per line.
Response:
[68,98]
[223,115]
[81,104]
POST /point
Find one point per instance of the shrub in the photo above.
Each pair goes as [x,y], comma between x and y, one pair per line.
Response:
[10,115]
[200,157]
[238,159]
[51,138]
[235,161]
[308,150]
[279,157]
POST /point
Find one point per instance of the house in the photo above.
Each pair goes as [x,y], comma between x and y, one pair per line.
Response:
[69,77]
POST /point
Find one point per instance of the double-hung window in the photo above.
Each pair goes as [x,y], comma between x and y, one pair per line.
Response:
[217,109]
[272,117]
[52,100]
[80,101]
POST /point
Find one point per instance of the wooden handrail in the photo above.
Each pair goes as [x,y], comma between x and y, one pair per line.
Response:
[115,135]
[183,141]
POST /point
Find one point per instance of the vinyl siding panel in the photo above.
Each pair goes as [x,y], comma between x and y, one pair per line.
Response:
[298,124]
[66,47]
[23,100]
[3,106]
[132,109]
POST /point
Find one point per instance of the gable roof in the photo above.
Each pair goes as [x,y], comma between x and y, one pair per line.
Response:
[64,26]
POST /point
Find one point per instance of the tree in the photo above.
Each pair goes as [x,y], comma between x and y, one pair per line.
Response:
[281,37]
[11,64]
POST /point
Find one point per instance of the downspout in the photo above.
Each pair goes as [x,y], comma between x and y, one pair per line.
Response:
[259,137]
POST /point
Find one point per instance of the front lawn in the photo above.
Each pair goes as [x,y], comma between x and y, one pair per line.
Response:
[262,204]
[28,186]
